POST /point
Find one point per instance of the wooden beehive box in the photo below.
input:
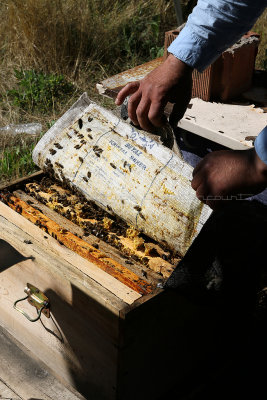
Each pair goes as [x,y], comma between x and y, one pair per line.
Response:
[113,332]
[108,340]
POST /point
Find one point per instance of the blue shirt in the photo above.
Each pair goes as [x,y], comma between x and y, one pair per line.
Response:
[213,26]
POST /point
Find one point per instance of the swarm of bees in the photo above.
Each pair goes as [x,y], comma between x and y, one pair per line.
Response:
[104,225]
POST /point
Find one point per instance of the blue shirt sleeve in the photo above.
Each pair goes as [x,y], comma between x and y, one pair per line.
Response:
[213,26]
[261,145]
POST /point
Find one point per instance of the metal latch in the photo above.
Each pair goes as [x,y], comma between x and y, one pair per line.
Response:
[37,299]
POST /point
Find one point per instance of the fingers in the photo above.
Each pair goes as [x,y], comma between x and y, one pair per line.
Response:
[142,113]
[129,89]
[143,109]
[132,107]
[156,113]
[140,109]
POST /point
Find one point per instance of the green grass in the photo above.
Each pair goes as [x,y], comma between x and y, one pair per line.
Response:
[37,91]
[261,28]
[16,160]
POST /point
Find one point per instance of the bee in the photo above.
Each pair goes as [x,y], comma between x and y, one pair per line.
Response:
[113,166]
[125,164]
[144,273]
[52,151]
[89,174]
[81,159]
[138,208]
[80,123]
[59,165]
[90,119]
[142,216]
[78,146]
[97,151]
[58,146]
[85,179]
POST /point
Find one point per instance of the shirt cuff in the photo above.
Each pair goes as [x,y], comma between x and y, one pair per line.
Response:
[260,145]
[190,48]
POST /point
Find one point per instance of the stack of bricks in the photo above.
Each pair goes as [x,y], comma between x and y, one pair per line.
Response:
[230,75]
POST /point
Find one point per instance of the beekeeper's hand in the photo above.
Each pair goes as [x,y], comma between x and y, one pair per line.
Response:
[229,175]
[170,82]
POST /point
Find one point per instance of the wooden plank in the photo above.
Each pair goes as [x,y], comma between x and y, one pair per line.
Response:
[11,185]
[109,250]
[111,86]
[89,268]
[227,124]
[79,246]
[19,246]
[79,342]
[27,376]
[6,393]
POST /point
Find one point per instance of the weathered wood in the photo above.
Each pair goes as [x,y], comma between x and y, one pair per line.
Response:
[23,377]
[89,268]
[7,393]
[79,342]
[109,250]
[16,182]
[227,124]
[108,346]
[84,249]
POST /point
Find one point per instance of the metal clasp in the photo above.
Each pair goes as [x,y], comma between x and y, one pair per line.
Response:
[37,299]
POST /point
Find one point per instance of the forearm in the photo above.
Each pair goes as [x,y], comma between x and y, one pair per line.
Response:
[213,26]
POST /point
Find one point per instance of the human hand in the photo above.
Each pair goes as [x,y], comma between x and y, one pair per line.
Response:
[170,82]
[227,175]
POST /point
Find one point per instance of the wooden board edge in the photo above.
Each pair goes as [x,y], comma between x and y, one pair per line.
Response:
[142,300]
[89,269]
[12,184]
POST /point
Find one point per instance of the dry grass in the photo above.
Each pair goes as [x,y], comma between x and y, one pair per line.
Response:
[63,35]
[83,39]
[261,28]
